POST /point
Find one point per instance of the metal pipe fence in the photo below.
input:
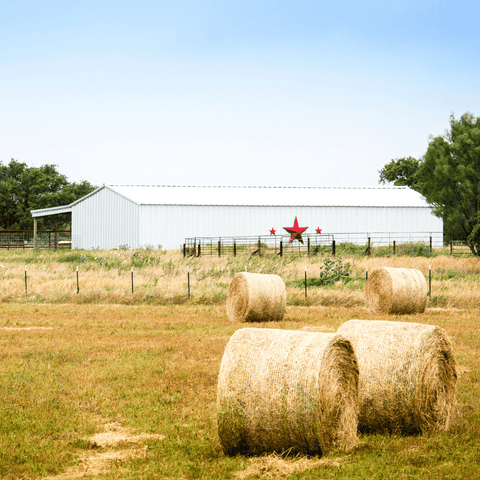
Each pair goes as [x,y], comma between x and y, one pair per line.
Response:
[46,239]
[315,244]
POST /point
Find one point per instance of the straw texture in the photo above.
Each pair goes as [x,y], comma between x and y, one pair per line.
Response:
[255,297]
[396,290]
[407,376]
[281,389]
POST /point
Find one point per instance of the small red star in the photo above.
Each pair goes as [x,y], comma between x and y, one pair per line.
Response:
[272,231]
[295,231]
[318,230]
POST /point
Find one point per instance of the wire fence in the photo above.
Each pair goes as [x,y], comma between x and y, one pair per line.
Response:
[46,239]
[314,244]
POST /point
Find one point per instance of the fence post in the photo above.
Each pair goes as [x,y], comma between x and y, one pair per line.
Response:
[35,232]
[431,246]
[219,248]
[451,247]
[23,239]
[78,287]
[131,273]
[199,248]
[305,282]
[25,280]
[234,248]
[429,280]
[394,247]
[366,273]
[188,281]
[55,246]
[259,248]
[368,247]
[281,248]
[184,251]
[333,248]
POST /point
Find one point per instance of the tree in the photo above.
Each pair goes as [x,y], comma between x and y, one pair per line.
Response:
[24,188]
[448,176]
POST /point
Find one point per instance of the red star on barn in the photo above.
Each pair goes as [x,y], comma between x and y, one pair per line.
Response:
[295,231]
[272,231]
[318,230]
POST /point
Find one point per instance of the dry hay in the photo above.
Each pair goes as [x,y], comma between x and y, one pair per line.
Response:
[274,466]
[407,376]
[282,390]
[396,290]
[256,297]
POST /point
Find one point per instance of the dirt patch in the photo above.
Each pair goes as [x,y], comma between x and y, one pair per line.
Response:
[98,463]
[115,433]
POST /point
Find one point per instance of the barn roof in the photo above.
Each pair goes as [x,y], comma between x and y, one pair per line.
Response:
[256,196]
[270,195]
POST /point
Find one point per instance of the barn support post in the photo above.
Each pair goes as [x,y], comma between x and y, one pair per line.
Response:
[35,232]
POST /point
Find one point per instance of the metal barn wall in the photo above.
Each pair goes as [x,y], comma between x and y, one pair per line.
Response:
[169,225]
[106,220]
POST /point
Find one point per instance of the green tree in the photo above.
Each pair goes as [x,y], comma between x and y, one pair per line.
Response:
[448,176]
[24,188]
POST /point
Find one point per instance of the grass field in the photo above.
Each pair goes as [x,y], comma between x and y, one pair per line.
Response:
[108,384]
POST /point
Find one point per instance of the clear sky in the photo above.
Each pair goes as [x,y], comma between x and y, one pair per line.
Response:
[262,92]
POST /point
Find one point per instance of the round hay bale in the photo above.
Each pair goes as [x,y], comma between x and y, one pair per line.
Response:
[407,376]
[396,290]
[281,389]
[255,297]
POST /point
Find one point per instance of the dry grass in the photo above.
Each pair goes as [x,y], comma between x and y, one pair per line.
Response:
[160,278]
[274,466]
[154,370]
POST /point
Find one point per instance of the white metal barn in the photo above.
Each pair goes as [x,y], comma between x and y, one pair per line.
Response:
[140,215]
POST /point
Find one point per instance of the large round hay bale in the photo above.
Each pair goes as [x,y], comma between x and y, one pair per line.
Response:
[407,376]
[281,389]
[256,297]
[396,290]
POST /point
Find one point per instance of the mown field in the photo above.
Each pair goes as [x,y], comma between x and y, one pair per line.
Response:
[106,383]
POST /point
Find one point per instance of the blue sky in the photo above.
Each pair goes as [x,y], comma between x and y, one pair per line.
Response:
[232,93]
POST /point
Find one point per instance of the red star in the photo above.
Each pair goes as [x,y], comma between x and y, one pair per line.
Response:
[272,231]
[295,231]
[318,230]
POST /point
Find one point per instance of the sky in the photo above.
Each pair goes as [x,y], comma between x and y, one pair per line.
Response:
[264,92]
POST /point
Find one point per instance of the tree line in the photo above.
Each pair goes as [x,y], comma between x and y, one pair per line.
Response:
[448,176]
[24,188]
